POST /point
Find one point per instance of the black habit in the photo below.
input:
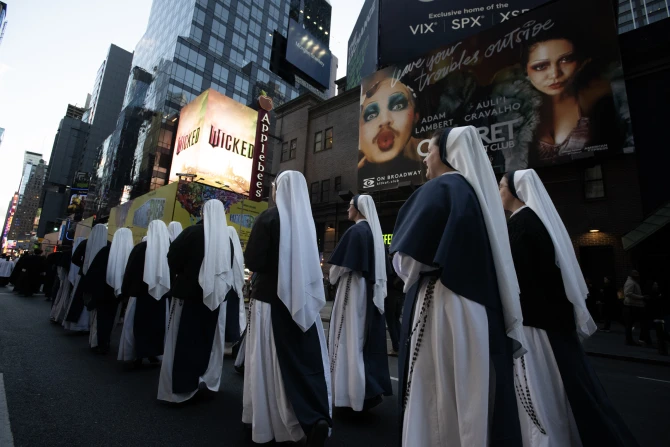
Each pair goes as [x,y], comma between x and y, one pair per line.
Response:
[546,306]
[30,280]
[77,304]
[99,296]
[356,252]
[149,322]
[298,352]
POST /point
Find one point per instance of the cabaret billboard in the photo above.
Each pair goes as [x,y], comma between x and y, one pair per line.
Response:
[542,89]
[215,142]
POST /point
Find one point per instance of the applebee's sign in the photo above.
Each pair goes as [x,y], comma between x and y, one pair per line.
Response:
[260,152]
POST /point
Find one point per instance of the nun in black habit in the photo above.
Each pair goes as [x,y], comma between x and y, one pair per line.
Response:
[561,401]
[357,336]
[147,282]
[462,303]
[201,277]
[236,316]
[77,318]
[99,296]
[286,376]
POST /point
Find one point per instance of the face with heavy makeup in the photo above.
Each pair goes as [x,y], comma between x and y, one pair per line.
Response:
[387,116]
[552,66]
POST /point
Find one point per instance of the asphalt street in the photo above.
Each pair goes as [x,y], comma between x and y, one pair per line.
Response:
[58,393]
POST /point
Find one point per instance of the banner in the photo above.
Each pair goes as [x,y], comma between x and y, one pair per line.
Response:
[410,28]
[542,89]
[260,155]
[362,45]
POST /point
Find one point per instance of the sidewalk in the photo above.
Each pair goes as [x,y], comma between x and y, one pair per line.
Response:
[601,344]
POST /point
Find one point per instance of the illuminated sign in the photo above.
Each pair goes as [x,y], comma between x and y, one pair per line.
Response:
[308,54]
[214,142]
[388,238]
[262,133]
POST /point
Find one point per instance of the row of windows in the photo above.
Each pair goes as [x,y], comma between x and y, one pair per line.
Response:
[320,144]
[320,191]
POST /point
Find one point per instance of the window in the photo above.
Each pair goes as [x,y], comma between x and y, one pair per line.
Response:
[314,192]
[325,191]
[255,28]
[294,148]
[241,84]
[242,11]
[220,12]
[219,29]
[220,73]
[239,41]
[318,147]
[338,184]
[215,45]
[594,185]
[257,14]
[241,26]
[284,151]
[329,138]
[253,42]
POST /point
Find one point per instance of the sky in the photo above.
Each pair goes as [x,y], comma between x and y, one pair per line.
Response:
[51,52]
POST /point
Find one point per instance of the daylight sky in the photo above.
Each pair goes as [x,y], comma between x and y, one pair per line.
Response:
[51,53]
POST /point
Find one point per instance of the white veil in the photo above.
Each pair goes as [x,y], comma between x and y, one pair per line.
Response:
[531,191]
[122,245]
[216,274]
[175,230]
[156,270]
[96,240]
[367,208]
[74,269]
[238,275]
[466,154]
[300,284]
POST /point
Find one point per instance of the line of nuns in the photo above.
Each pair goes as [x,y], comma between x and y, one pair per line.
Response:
[490,345]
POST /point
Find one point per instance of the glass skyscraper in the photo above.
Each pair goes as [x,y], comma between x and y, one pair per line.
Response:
[188,47]
[634,14]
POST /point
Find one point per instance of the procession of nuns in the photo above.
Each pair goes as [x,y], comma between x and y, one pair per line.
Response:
[490,351]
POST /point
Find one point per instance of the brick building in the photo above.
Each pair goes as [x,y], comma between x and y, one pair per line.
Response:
[599,203]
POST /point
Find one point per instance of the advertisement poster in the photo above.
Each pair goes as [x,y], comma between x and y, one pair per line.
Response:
[77,203]
[410,28]
[542,89]
[362,45]
[215,141]
[308,54]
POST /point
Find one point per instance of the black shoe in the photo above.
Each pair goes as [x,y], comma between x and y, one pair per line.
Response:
[318,435]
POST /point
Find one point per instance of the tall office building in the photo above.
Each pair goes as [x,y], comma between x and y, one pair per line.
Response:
[3,19]
[188,47]
[80,133]
[634,14]
[28,202]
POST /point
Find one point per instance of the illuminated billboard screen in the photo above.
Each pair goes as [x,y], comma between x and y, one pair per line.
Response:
[215,142]
[308,54]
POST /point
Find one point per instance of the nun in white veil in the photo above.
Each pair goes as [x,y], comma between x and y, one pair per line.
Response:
[462,321]
[175,229]
[357,337]
[202,275]
[560,399]
[286,378]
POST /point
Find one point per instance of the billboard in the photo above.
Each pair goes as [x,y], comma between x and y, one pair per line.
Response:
[410,28]
[542,89]
[215,142]
[362,45]
[308,54]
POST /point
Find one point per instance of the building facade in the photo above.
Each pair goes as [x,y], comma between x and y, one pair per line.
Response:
[187,48]
[634,14]
[30,190]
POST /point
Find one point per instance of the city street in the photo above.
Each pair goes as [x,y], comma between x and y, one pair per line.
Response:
[60,394]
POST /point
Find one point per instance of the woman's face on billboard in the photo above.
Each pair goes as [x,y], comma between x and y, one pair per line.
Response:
[386,121]
[552,66]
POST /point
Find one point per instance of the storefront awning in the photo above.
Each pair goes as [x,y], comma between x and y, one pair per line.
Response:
[649,226]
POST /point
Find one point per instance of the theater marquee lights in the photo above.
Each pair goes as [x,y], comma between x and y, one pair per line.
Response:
[215,142]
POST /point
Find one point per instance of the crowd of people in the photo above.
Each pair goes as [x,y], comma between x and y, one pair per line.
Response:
[489,345]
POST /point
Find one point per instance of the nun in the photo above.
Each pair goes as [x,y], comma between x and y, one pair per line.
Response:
[63,290]
[560,399]
[175,229]
[357,336]
[6,268]
[99,296]
[236,319]
[66,292]
[146,282]
[201,277]
[462,320]
[77,318]
[286,377]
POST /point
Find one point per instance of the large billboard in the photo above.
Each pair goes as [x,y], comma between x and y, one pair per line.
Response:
[410,28]
[362,45]
[215,142]
[308,54]
[542,89]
